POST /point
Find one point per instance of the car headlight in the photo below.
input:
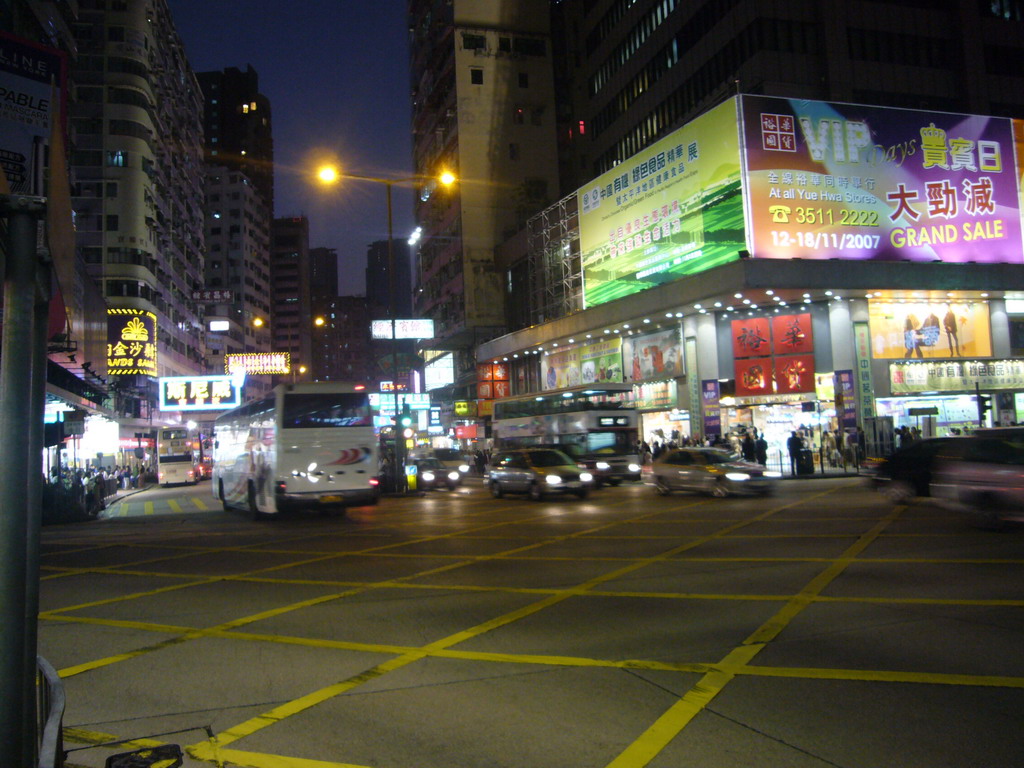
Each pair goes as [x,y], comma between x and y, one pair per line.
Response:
[428,476]
[454,475]
[586,477]
[553,479]
[737,476]
[634,467]
[603,465]
[463,467]
[773,474]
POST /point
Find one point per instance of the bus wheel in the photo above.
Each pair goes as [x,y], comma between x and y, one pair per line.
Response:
[254,510]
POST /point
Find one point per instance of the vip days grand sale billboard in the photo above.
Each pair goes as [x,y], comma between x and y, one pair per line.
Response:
[827,180]
[673,209]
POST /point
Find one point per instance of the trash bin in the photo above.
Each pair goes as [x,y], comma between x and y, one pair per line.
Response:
[805,462]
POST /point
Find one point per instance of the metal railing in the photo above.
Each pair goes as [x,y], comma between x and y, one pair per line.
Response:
[49,715]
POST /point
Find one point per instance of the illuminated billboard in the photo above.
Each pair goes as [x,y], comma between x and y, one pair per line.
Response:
[671,210]
[929,329]
[422,328]
[826,180]
[131,341]
[199,393]
[258,362]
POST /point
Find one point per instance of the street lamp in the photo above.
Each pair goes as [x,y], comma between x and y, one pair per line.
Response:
[330,174]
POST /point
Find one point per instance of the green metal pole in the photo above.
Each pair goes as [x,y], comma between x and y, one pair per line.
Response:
[15,418]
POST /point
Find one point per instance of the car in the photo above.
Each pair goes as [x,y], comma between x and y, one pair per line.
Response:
[537,472]
[452,458]
[609,466]
[432,474]
[709,470]
[907,472]
[982,476]
[204,469]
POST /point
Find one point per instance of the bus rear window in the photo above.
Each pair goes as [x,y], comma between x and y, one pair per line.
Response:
[314,410]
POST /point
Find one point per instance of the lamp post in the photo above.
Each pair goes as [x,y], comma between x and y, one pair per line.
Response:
[329,175]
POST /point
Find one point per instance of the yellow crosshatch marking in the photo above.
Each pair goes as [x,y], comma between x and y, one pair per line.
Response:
[715,675]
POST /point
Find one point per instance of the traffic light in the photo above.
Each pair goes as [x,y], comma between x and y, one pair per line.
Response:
[405,422]
[984,406]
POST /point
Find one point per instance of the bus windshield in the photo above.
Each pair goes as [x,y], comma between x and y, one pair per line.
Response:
[305,410]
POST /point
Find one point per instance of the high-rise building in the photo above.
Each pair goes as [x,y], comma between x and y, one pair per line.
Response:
[237,288]
[291,304]
[341,345]
[777,221]
[630,71]
[137,164]
[237,127]
[483,108]
[323,276]
[378,278]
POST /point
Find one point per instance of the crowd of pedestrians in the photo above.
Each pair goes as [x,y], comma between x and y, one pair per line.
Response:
[70,493]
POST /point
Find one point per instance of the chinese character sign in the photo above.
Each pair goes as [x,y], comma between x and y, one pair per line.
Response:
[131,341]
[258,362]
[828,180]
[673,209]
[199,393]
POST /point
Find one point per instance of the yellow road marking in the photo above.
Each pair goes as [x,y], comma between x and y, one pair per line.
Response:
[650,743]
[174,505]
[200,503]
[148,506]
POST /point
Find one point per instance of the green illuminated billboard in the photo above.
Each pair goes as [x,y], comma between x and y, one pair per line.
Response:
[674,209]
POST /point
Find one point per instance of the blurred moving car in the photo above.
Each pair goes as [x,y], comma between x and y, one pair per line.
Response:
[204,469]
[608,465]
[983,476]
[907,472]
[537,472]
[709,470]
[452,458]
[432,474]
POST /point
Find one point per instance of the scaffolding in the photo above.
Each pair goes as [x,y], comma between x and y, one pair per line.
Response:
[553,261]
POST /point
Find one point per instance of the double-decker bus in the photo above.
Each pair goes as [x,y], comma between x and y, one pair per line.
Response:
[175,456]
[303,446]
[595,424]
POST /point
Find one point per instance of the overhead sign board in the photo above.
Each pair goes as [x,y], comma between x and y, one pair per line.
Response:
[258,362]
[671,210]
[421,328]
[199,393]
[828,180]
[131,341]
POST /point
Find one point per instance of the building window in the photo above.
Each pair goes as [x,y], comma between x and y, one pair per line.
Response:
[115,34]
[112,222]
[505,45]
[524,80]
[111,189]
[476,76]
[117,158]
[474,42]
[517,115]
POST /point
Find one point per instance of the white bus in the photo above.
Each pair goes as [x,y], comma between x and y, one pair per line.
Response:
[175,456]
[309,445]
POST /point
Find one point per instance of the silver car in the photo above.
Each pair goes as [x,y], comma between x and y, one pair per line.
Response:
[709,470]
[537,472]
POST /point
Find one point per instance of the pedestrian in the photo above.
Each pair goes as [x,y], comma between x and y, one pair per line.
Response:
[761,450]
[749,448]
[794,445]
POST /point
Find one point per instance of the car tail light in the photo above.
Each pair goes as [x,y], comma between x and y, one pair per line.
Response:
[280,486]
[374,481]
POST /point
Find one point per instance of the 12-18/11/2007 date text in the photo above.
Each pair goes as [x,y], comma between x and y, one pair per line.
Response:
[840,241]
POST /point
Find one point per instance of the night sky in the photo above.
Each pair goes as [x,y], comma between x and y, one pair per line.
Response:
[336,73]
